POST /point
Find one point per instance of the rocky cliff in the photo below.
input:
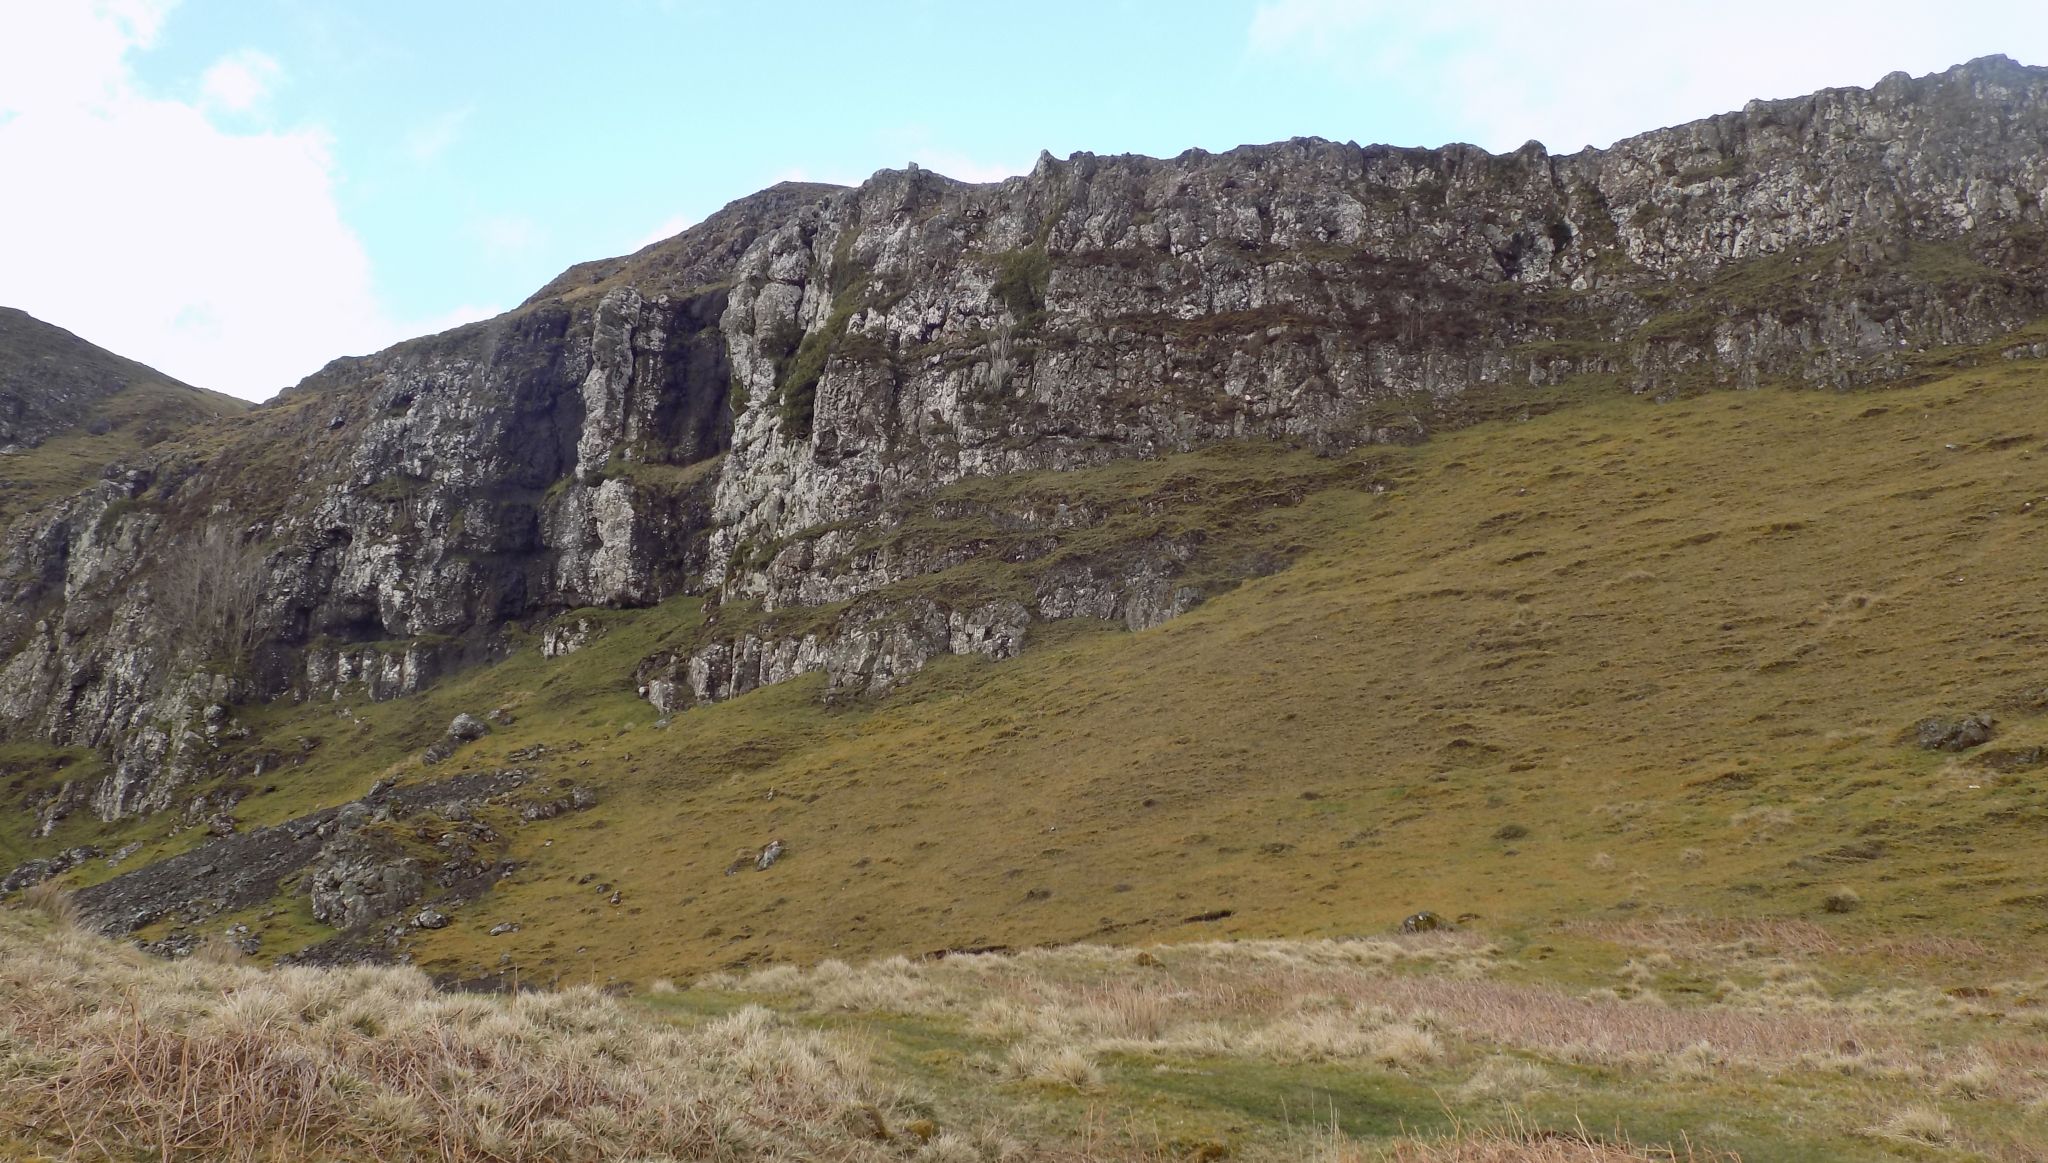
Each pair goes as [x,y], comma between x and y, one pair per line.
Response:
[769,408]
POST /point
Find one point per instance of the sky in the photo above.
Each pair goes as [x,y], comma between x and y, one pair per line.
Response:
[237,191]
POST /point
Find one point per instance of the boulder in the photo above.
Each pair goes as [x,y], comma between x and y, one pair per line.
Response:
[1939,733]
[356,879]
[1424,922]
[466,728]
[34,872]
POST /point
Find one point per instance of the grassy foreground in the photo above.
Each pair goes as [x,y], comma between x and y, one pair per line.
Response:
[1711,1043]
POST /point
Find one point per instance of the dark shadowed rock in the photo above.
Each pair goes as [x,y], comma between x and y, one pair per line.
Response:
[1955,734]
[1424,922]
[230,873]
[35,872]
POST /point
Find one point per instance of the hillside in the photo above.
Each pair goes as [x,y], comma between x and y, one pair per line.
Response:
[1624,659]
[1409,548]
[1317,651]
[1641,697]
[749,412]
[69,409]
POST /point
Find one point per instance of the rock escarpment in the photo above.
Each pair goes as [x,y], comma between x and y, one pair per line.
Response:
[767,408]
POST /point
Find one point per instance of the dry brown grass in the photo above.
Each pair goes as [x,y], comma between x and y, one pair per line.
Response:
[1515,1142]
[104,1053]
[53,901]
[1304,1001]
[1790,936]
[1500,1147]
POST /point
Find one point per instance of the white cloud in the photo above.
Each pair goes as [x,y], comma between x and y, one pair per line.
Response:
[218,257]
[238,83]
[431,138]
[507,235]
[1593,71]
[65,55]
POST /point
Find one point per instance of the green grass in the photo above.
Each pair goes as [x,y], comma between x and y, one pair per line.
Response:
[1676,643]
[134,420]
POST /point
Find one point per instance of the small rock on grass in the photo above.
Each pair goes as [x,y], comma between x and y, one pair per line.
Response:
[1424,922]
[1939,733]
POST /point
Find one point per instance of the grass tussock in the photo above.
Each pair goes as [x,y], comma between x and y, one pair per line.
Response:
[104,1053]
[1402,1004]
[1536,1147]
[52,900]
[1077,1053]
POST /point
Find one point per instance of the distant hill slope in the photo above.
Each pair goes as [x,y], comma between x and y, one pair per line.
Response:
[69,407]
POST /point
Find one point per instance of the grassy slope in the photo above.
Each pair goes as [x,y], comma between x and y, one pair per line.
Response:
[1675,643]
[142,414]
[1632,630]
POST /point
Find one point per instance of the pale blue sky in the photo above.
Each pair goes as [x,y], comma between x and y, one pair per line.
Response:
[238,190]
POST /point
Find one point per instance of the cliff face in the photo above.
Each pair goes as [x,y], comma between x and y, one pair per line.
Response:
[763,408]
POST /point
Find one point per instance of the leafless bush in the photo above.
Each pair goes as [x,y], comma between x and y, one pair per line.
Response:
[208,595]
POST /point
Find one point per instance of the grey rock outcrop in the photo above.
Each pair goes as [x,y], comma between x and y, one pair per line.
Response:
[355,880]
[466,728]
[748,410]
[351,872]
[1955,734]
[34,872]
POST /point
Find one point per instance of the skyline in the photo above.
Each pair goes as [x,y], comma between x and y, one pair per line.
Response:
[238,193]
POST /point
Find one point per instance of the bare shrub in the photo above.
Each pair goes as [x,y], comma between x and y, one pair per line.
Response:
[209,594]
